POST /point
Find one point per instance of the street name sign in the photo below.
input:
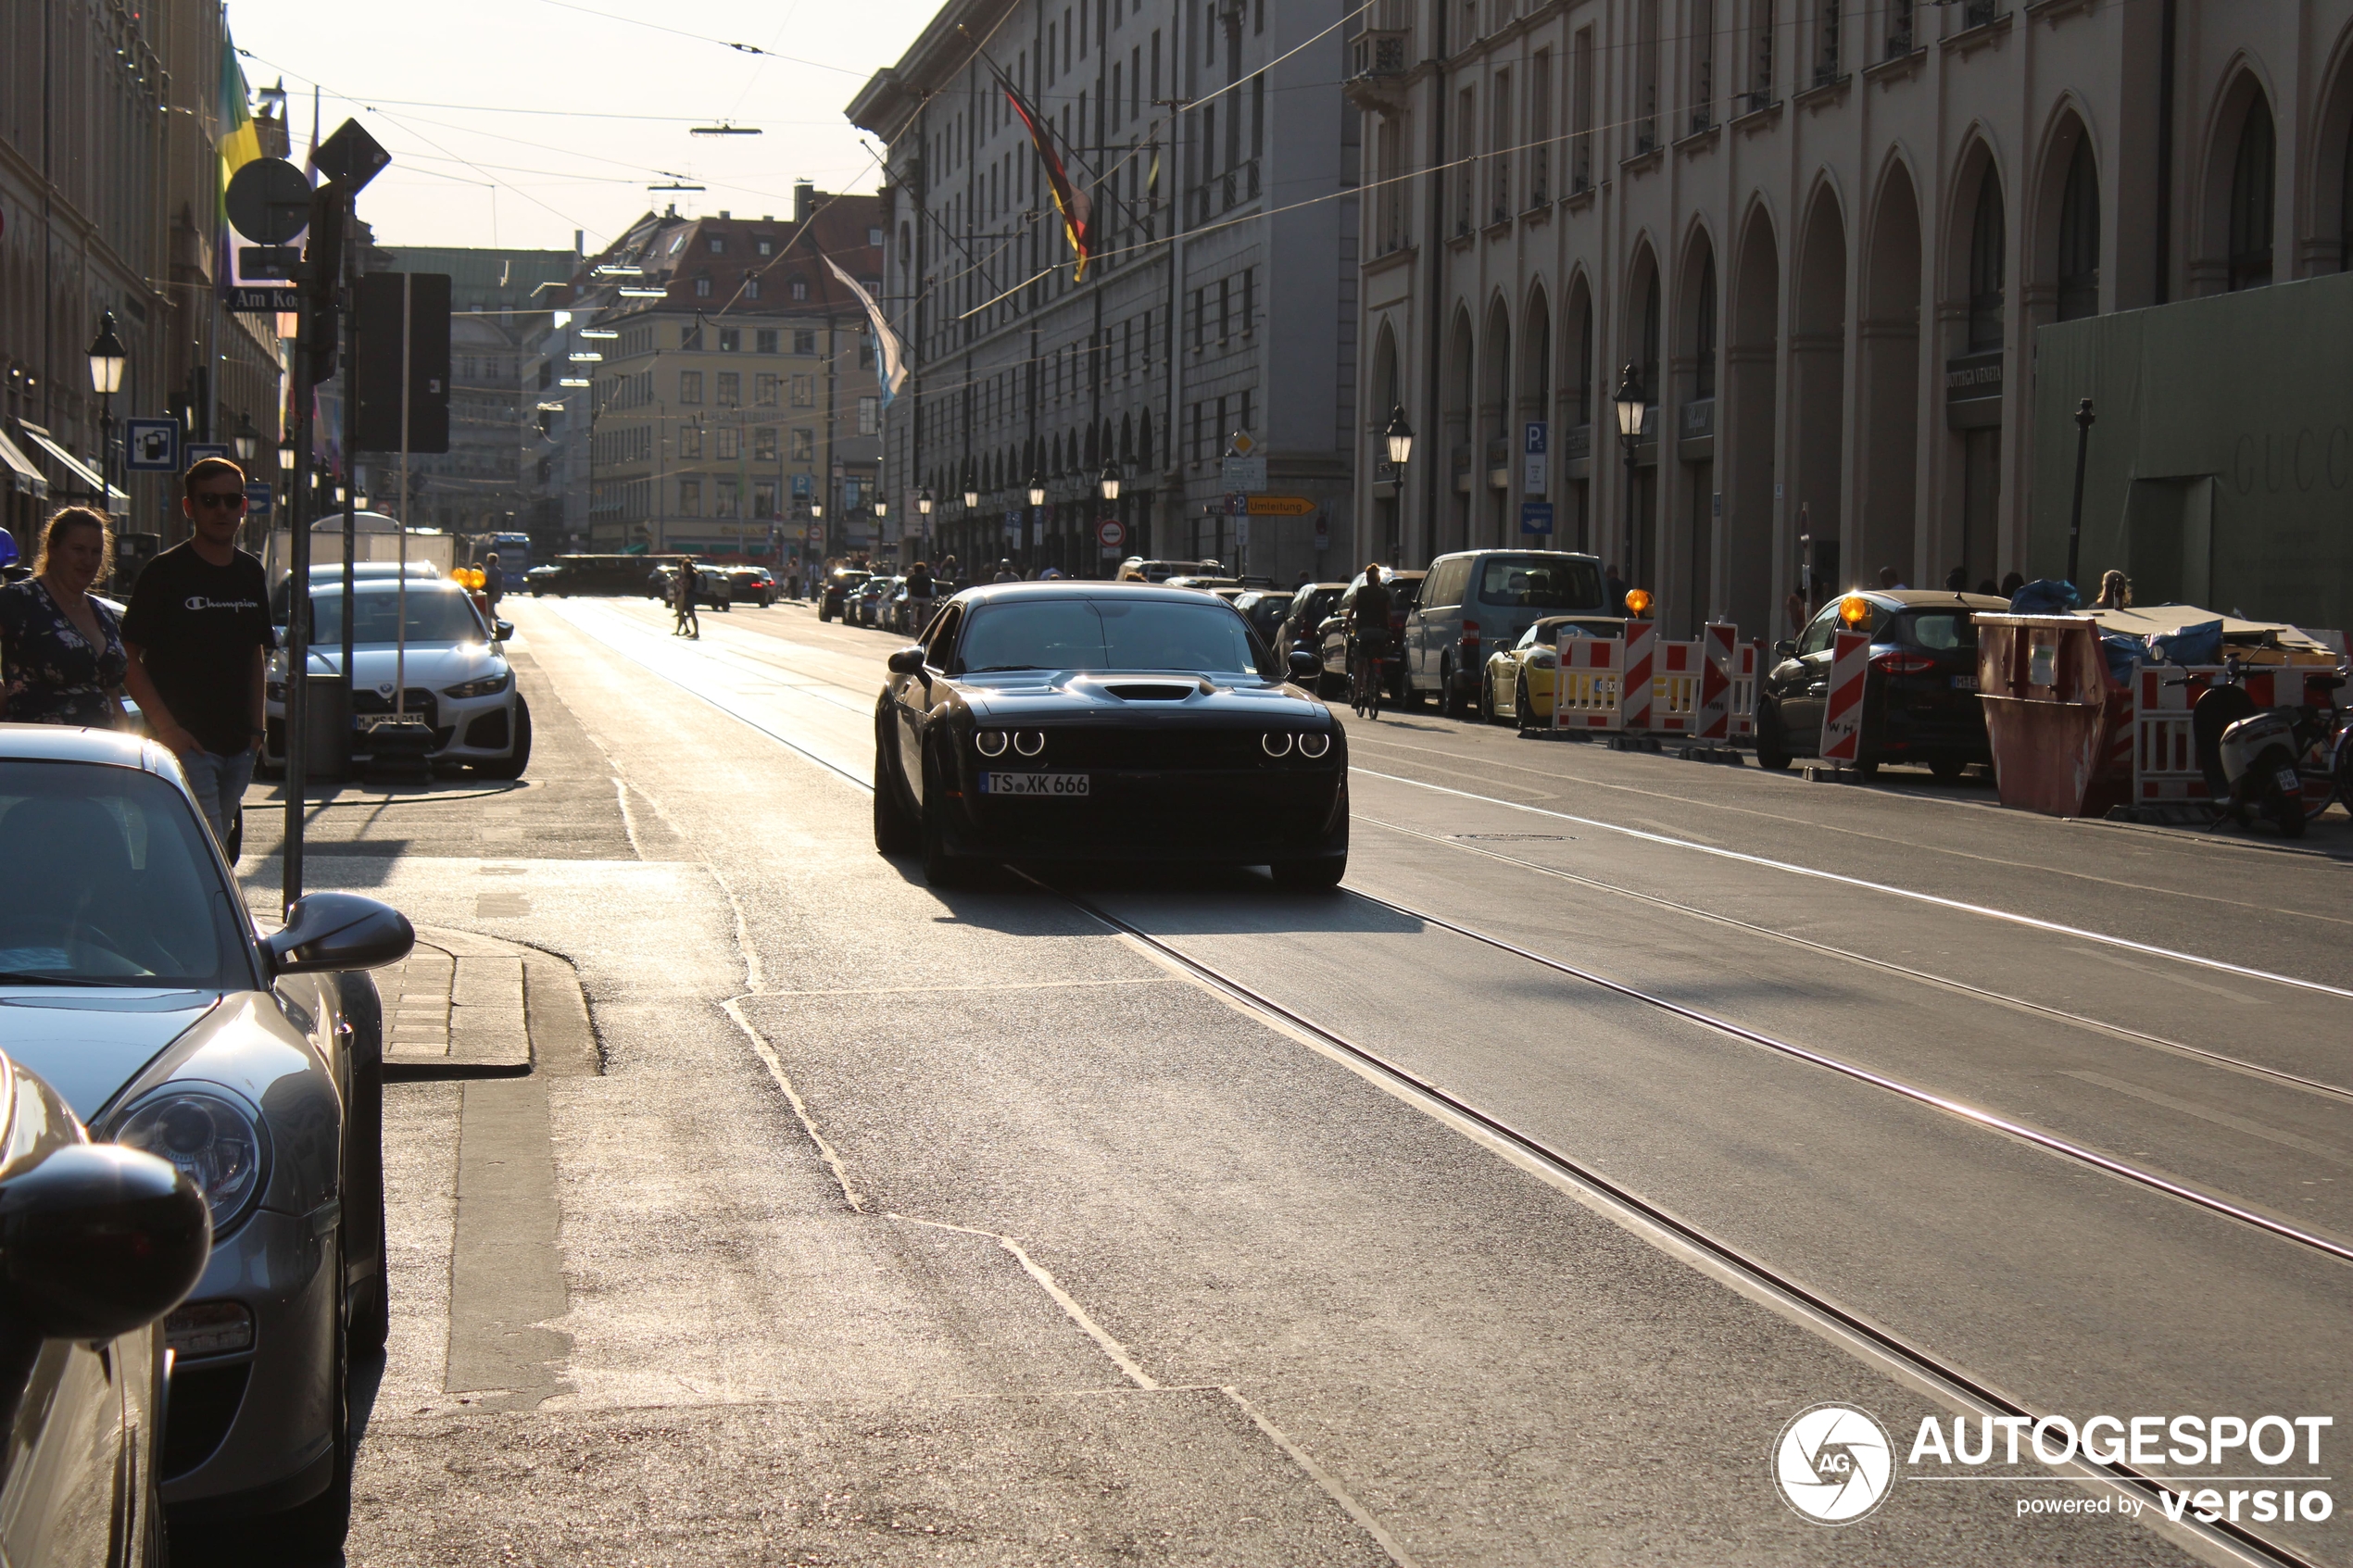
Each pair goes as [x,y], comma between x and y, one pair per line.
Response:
[1280,505]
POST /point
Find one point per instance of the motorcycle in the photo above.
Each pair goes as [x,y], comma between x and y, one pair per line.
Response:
[2252,757]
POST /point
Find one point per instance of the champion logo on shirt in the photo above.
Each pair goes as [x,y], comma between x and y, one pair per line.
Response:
[198,601]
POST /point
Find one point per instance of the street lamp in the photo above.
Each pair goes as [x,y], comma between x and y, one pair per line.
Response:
[1036,489]
[1631,405]
[1400,436]
[285,455]
[106,356]
[245,439]
[971,491]
[1109,482]
[923,501]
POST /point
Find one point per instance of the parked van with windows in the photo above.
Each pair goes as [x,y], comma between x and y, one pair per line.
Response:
[1477,600]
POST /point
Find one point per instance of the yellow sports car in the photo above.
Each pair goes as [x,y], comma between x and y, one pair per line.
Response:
[1518,688]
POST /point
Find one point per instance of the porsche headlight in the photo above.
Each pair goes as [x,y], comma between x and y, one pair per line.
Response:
[489,685]
[212,1139]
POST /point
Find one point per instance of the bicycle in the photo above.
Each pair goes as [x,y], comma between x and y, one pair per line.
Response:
[1364,680]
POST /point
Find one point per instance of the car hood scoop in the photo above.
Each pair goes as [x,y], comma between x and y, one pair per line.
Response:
[1155,691]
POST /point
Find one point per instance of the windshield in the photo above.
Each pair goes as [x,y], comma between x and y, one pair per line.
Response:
[1205,639]
[1540,583]
[438,613]
[111,881]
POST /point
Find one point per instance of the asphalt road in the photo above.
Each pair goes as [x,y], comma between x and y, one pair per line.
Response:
[893,1225]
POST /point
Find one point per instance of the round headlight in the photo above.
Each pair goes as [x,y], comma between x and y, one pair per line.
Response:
[1276,742]
[211,1138]
[989,742]
[1314,746]
[1029,743]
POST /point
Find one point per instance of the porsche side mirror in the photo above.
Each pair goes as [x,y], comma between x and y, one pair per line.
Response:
[333,931]
[1304,666]
[500,631]
[97,1240]
[907,660]
[1783,648]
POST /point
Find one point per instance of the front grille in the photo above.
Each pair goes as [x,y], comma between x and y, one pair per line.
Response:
[204,1402]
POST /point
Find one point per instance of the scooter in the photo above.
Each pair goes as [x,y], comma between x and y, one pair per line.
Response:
[2250,755]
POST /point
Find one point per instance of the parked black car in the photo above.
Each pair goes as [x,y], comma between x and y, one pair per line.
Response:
[1919,696]
[1085,722]
[833,595]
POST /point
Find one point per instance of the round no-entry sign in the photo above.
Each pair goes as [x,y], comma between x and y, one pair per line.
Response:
[1111,532]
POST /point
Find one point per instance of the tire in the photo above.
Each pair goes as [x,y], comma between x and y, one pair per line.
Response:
[317,1528]
[1948,768]
[519,757]
[941,869]
[1772,743]
[1866,767]
[897,832]
[1411,696]
[1487,714]
[1310,876]
[2286,811]
[1523,709]
[371,1305]
[1449,696]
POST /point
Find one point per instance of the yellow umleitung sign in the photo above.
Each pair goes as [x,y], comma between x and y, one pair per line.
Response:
[1280,505]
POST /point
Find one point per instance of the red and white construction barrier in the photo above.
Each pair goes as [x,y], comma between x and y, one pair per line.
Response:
[1843,709]
[2164,746]
[1642,650]
[1585,682]
[1727,684]
[1641,686]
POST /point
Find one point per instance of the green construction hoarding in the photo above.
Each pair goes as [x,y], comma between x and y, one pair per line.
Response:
[2219,471]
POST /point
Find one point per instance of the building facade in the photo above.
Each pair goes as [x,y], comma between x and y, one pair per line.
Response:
[1219,164]
[735,409]
[1823,236]
[109,119]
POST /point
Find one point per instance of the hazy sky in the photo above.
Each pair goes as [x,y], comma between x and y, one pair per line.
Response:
[431,78]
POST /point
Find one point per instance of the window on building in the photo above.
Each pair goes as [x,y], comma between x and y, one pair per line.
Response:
[1703,332]
[1647,75]
[690,441]
[874,237]
[764,245]
[729,502]
[1760,54]
[866,353]
[1985,265]
[703,286]
[804,444]
[765,340]
[731,339]
[731,389]
[730,444]
[870,416]
[2079,236]
[690,336]
[763,500]
[1540,131]
[2251,199]
[796,288]
[690,498]
[718,246]
[804,391]
[752,288]
[691,387]
[1826,21]
[1580,105]
[1703,53]
[804,342]
[764,443]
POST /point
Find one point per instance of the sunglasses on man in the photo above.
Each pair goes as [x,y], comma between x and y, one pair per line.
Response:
[233,500]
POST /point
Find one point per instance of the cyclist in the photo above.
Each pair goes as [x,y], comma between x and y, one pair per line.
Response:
[686,622]
[1367,633]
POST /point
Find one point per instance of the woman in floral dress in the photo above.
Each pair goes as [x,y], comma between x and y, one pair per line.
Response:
[61,654]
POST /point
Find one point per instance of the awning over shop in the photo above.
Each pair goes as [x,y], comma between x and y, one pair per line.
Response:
[22,475]
[92,484]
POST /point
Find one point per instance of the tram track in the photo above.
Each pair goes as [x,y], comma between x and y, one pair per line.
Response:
[2222,1541]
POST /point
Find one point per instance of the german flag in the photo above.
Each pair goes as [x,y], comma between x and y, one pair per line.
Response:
[1077,212]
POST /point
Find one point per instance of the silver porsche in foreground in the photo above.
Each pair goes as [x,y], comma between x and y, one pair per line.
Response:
[133,981]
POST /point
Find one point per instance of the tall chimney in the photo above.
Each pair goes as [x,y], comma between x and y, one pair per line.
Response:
[804,200]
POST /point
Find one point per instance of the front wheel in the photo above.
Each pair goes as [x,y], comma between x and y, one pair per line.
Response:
[1524,711]
[896,830]
[941,868]
[518,757]
[1310,876]
[1772,742]
[1449,696]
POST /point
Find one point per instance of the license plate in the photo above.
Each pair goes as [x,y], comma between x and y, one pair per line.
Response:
[2289,782]
[1034,783]
[1965,683]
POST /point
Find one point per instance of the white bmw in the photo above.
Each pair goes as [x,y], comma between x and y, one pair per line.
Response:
[458,676]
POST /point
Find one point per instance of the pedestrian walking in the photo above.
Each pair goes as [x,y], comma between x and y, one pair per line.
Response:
[494,582]
[199,634]
[2013,583]
[2116,592]
[1614,591]
[682,599]
[61,656]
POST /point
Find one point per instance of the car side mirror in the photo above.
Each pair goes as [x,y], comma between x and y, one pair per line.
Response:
[98,1239]
[1304,666]
[1784,648]
[501,629]
[907,660]
[334,931]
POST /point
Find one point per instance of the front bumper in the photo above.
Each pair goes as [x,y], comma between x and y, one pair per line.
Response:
[480,729]
[1238,818]
[246,1431]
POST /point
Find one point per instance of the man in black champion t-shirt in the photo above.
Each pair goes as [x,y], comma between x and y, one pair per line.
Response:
[199,633]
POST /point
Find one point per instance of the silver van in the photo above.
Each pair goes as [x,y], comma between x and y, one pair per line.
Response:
[1484,599]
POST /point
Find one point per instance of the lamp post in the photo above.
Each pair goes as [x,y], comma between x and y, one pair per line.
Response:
[106,359]
[1398,438]
[2075,518]
[1630,405]
[245,441]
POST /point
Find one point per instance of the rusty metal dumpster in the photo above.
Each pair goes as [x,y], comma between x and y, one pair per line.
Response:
[2061,728]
